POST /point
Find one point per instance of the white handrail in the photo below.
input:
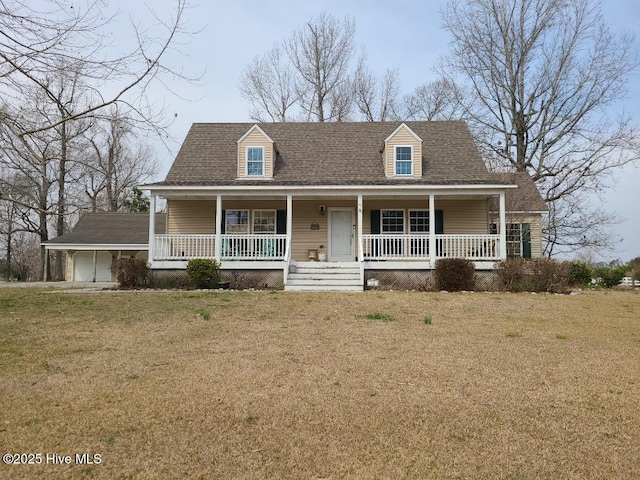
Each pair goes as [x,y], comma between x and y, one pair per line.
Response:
[417,247]
[232,247]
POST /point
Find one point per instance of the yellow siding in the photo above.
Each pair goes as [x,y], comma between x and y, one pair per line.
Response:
[460,216]
[403,137]
[255,139]
[535,221]
[191,216]
[306,213]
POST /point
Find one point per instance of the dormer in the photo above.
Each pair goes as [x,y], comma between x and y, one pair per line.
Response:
[256,155]
[402,154]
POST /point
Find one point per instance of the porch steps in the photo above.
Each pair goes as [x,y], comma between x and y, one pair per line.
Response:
[324,276]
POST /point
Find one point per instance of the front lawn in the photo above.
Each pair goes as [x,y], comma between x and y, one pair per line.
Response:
[321,385]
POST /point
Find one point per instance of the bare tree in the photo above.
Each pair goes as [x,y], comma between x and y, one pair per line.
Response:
[441,99]
[34,42]
[57,76]
[268,83]
[307,77]
[115,162]
[544,73]
[376,100]
[321,52]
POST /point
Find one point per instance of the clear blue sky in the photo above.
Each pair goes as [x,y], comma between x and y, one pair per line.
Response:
[403,34]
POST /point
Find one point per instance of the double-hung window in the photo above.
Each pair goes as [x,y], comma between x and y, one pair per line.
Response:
[419,226]
[392,221]
[255,161]
[418,221]
[403,160]
[515,238]
[264,221]
[237,221]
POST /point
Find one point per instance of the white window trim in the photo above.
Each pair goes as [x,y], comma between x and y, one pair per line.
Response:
[409,220]
[395,161]
[253,220]
[246,158]
[404,220]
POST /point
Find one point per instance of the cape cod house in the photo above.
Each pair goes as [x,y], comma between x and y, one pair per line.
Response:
[332,205]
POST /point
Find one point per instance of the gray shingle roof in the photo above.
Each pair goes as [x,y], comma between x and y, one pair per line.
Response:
[113,228]
[328,154]
[526,198]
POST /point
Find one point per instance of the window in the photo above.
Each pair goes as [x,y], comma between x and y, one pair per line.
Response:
[264,221]
[237,221]
[419,221]
[514,240]
[518,239]
[255,161]
[392,221]
[403,160]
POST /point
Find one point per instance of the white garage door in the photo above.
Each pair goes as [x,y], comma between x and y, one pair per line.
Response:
[83,267]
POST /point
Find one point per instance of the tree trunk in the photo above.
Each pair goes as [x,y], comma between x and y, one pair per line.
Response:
[62,209]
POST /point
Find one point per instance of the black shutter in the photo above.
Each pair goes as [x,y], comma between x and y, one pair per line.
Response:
[223,224]
[526,240]
[375,222]
[281,221]
[439,222]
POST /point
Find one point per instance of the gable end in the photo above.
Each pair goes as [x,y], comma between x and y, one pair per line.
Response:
[256,154]
[403,153]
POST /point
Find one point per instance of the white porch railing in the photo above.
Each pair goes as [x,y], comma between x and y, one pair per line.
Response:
[183,247]
[416,247]
[253,247]
[232,247]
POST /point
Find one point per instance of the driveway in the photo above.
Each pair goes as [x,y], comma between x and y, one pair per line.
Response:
[65,285]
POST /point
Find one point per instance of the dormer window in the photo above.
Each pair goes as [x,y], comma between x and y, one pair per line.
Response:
[403,160]
[255,161]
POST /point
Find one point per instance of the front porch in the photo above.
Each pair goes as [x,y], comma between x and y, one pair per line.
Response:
[407,231]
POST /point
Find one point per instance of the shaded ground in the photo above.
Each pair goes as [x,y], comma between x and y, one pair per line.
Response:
[322,385]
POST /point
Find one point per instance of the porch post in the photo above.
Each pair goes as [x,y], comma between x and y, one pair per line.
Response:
[287,247]
[289,227]
[360,242]
[218,242]
[503,227]
[152,227]
[432,230]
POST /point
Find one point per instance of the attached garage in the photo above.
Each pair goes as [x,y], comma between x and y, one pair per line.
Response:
[87,265]
[99,238]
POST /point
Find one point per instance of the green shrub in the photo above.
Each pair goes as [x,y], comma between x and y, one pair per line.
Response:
[204,272]
[130,272]
[454,274]
[610,276]
[580,274]
[547,275]
[512,274]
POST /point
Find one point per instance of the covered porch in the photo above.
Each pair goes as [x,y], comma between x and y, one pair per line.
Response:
[394,229]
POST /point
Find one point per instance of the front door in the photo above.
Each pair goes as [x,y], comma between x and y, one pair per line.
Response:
[341,233]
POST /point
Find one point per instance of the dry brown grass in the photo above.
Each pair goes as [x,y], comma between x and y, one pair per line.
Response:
[286,385]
